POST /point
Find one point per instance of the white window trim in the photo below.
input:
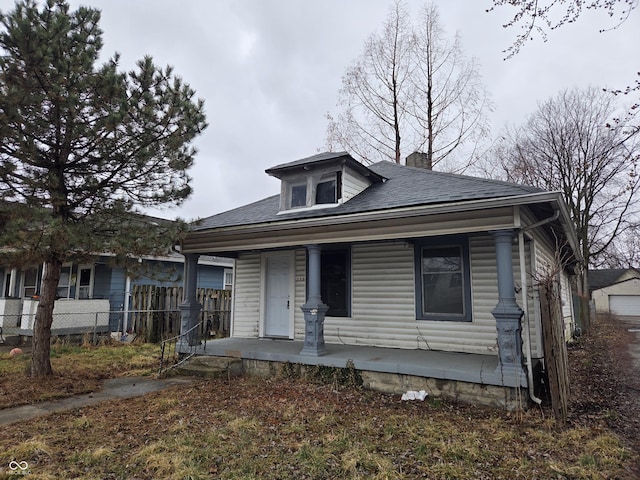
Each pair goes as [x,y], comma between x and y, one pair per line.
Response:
[23,286]
[225,284]
[70,266]
[91,281]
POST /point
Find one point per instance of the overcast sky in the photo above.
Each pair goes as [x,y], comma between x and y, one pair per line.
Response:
[269,71]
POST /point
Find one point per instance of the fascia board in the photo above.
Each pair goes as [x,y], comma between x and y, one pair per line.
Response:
[420,210]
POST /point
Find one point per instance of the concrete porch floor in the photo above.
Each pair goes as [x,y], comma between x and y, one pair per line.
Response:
[462,367]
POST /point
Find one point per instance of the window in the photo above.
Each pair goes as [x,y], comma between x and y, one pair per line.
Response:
[335,281]
[84,289]
[314,190]
[228,279]
[329,190]
[64,283]
[443,286]
[299,195]
[7,285]
[30,283]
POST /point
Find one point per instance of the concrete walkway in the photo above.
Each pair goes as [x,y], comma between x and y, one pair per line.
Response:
[115,388]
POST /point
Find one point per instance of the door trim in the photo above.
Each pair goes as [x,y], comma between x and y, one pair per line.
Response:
[290,255]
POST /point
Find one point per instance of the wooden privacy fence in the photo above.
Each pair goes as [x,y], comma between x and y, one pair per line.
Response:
[155,312]
[555,348]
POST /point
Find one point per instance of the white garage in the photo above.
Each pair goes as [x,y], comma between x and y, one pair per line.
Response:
[620,296]
[625,305]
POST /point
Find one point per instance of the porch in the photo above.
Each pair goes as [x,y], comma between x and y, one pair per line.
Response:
[460,376]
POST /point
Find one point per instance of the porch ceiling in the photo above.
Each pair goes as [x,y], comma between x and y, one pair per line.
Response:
[472,368]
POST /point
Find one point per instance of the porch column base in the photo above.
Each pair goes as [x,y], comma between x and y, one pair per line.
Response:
[189,331]
[314,329]
[508,326]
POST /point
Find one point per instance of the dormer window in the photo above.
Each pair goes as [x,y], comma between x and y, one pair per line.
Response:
[299,195]
[314,190]
[329,190]
[323,181]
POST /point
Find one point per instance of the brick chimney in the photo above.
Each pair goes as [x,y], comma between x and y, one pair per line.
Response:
[419,160]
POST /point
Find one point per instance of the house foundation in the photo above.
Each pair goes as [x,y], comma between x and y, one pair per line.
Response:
[504,398]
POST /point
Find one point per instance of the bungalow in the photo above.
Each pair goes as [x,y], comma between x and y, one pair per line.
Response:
[96,293]
[419,279]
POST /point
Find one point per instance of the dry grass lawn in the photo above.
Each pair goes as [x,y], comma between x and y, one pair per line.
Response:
[298,429]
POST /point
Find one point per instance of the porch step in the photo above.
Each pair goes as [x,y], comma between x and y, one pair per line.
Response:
[211,367]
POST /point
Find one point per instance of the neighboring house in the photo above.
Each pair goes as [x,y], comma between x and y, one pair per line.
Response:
[95,292]
[419,278]
[616,291]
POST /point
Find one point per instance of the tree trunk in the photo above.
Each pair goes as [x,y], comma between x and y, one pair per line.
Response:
[40,356]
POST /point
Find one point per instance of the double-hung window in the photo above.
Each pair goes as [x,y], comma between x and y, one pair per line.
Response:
[443,286]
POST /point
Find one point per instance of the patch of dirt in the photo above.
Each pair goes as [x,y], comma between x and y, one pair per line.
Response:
[605,382]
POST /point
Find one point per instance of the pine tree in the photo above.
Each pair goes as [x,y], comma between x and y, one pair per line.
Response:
[83,147]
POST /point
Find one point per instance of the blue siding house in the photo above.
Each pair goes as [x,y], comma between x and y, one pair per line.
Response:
[98,287]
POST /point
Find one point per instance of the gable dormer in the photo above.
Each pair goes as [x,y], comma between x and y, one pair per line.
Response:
[321,181]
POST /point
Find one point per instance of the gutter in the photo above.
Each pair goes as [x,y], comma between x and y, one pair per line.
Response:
[414,211]
[523,281]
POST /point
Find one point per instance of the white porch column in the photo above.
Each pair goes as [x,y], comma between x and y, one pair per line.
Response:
[314,310]
[507,312]
[190,308]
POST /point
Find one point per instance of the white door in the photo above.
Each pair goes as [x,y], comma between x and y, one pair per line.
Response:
[277,290]
[626,305]
[84,288]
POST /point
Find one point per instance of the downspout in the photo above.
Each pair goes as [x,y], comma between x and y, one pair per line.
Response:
[525,303]
[525,307]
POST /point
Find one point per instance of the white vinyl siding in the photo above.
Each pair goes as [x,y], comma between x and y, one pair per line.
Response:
[545,263]
[383,301]
[352,184]
[246,297]
[383,306]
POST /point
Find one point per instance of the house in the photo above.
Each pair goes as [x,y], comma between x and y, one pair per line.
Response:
[616,291]
[96,293]
[420,279]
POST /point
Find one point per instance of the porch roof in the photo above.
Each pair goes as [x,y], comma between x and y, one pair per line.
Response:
[464,367]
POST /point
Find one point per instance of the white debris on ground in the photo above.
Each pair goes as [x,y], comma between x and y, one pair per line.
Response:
[413,395]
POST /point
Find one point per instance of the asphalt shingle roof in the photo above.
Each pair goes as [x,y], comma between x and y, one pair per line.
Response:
[605,277]
[404,187]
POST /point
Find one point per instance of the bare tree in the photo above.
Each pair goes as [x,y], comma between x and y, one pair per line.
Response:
[567,145]
[450,100]
[538,17]
[411,90]
[624,252]
[374,94]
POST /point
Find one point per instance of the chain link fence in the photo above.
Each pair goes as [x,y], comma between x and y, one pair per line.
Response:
[147,325]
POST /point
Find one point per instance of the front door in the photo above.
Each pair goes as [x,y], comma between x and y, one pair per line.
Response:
[277,302]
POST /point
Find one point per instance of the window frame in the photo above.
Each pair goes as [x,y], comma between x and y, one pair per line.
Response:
[66,286]
[227,285]
[310,182]
[462,242]
[294,185]
[79,295]
[35,286]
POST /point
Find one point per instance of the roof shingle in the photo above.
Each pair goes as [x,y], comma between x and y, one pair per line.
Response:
[404,187]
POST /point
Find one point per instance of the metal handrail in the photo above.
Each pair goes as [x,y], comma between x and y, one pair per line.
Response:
[174,341]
